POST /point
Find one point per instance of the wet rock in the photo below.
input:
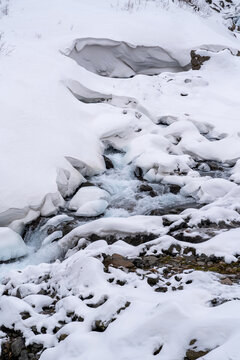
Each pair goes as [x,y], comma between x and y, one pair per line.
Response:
[174,189]
[117,260]
[108,162]
[86,183]
[145,187]
[153,193]
[197,60]
[138,173]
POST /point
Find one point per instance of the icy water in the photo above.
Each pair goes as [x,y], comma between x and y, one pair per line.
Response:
[129,195]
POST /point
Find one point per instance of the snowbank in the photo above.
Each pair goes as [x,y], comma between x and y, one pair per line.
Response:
[12,245]
[42,123]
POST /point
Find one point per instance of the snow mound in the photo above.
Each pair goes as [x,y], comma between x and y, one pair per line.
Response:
[120,59]
[89,201]
[107,226]
[12,245]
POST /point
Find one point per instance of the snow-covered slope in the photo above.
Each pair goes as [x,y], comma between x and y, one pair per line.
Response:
[43,122]
[128,111]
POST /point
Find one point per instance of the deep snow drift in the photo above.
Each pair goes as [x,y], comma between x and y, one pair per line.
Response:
[120,180]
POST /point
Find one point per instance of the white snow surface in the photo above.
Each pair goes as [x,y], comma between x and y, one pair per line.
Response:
[12,245]
[52,124]
[57,118]
[89,201]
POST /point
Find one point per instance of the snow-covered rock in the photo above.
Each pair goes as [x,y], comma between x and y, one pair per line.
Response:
[12,245]
[89,201]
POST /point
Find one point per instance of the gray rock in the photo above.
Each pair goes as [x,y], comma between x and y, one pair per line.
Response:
[17,346]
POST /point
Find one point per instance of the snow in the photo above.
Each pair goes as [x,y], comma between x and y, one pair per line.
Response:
[32,78]
[178,127]
[89,201]
[12,245]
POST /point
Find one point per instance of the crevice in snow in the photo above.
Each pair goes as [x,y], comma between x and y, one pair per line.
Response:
[88,96]
[119,59]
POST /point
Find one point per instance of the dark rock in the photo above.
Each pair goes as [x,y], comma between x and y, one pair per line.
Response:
[24,355]
[138,173]
[121,282]
[162,289]
[152,281]
[43,330]
[153,193]
[194,355]
[189,250]
[173,250]
[108,162]
[192,342]
[127,304]
[99,303]
[174,188]
[150,260]
[197,60]
[35,348]
[62,337]
[145,187]
[157,351]
[138,262]
[34,330]
[99,326]
[17,346]
[56,329]
[25,315]
[87,183]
